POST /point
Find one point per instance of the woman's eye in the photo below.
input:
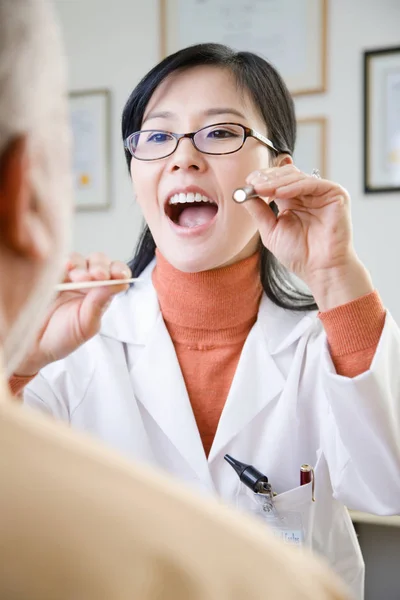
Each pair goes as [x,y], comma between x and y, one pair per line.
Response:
[221,134]
[158,137]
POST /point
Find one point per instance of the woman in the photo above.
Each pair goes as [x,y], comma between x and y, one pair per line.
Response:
[214,351]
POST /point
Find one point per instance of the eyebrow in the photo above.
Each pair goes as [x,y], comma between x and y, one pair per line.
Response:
[224,110]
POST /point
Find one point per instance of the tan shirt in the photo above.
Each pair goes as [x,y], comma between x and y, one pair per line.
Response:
[80,523]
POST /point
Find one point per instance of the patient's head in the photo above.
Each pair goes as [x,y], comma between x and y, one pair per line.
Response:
[35,185]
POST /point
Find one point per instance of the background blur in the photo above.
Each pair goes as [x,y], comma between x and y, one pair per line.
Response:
[113,43]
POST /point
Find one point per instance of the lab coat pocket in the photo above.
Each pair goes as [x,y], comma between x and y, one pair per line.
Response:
[289,514]
[293,507]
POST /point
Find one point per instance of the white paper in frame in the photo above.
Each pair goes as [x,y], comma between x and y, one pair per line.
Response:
[90,121]
[382,120]
[311,145]
[291,34]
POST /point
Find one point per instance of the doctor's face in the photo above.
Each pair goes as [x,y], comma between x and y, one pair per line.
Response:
[186,198]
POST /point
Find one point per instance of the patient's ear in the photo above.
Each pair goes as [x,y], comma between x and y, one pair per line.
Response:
[21,230]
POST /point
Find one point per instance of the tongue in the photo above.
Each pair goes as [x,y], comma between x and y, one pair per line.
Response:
[193,216]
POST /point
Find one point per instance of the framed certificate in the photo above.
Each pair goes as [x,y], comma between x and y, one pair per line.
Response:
[90,121]
[311,145]
[291,34]
[382,120]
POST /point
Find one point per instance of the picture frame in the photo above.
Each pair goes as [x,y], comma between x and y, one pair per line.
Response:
[382,120]
[311,145]
[291,34]
[90,121]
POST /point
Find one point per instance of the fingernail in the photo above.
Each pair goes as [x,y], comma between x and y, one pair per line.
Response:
[78,273]
[262,176]
[99,271]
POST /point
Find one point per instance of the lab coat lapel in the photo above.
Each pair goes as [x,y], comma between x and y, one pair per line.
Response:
[258,380]
[159,386]
[134,318]
[256,383]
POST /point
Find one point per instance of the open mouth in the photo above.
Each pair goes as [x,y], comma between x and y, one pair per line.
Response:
[190,210]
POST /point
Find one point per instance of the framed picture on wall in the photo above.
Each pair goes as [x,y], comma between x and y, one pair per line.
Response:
[382,120]
[311,145]
[90,120]
[291,34]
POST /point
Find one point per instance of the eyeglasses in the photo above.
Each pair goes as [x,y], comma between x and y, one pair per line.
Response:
[221,138]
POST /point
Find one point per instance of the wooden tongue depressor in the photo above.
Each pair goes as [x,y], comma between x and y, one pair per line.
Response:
[83,285]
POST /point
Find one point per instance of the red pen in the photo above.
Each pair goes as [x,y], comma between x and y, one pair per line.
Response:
[307,476]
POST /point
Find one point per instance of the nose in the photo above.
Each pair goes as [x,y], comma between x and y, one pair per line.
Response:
[187,157]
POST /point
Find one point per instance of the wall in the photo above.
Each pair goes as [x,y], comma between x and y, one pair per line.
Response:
[354,26]
[381,549]
[112,43]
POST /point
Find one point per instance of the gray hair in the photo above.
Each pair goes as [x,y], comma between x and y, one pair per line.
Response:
[30,67]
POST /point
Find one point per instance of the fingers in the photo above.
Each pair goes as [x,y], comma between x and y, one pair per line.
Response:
[96,301]
[267,183]
[263,215]
[272,174]
[75,268]
[94,305]
[119,270]
[287,183]
[96,267]
[101,267]
[75,261]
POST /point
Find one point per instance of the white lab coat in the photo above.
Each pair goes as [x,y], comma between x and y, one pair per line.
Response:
[286,406]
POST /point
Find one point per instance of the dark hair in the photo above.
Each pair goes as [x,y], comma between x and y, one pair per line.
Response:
[271,96]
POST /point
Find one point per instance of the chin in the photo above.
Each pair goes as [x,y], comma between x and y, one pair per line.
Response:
[195,263]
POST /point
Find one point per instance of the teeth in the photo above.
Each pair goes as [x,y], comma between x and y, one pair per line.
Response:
[189,198]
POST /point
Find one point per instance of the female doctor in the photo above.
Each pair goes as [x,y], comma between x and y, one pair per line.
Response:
[213,351]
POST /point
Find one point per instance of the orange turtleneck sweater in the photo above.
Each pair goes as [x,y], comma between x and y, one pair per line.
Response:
[209,315]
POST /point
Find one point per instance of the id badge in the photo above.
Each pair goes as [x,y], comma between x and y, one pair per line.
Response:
[285,525]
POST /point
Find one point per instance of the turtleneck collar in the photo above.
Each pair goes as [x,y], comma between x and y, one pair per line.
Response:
[209,307]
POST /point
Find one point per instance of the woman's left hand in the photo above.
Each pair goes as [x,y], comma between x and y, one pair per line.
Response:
[312,234]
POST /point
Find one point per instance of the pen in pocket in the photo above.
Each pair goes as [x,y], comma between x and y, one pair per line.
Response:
[307,476]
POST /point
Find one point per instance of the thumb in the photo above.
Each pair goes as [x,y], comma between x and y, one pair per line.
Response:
[263,215]
[93,306]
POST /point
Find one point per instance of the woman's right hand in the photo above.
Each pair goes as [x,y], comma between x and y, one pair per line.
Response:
[75,317]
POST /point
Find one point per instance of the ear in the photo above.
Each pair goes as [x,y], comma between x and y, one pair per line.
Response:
[283,159]
[18,214]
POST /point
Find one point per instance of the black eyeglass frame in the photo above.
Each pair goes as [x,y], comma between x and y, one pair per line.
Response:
[247,132]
